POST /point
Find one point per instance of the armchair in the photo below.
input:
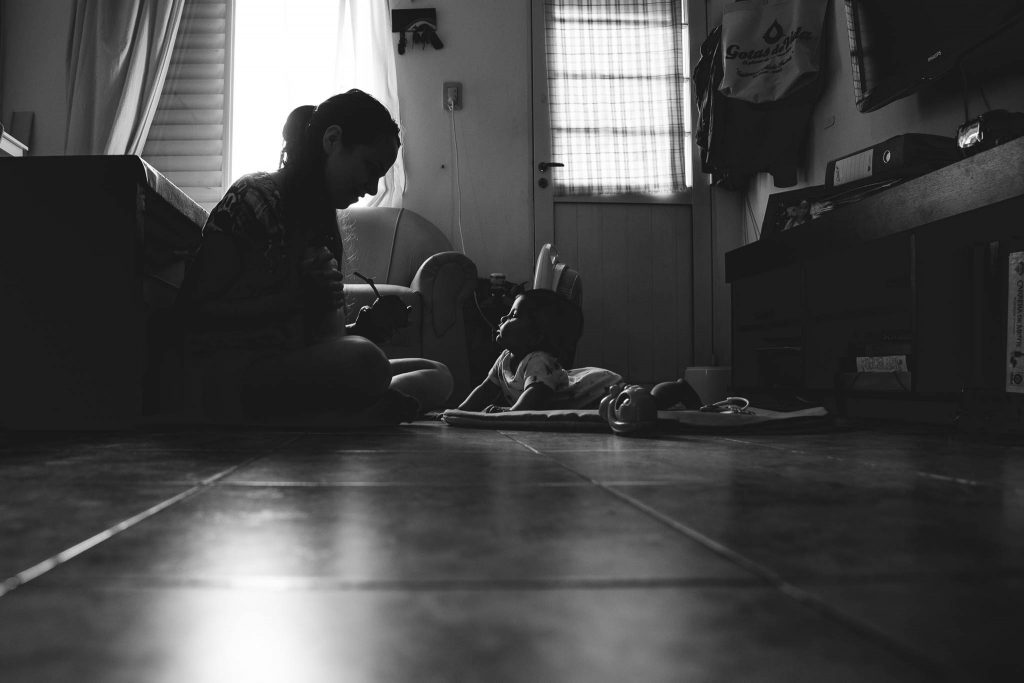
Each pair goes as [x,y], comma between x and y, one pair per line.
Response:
[408,256]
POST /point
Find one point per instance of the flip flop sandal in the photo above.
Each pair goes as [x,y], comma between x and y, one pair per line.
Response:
[730,404]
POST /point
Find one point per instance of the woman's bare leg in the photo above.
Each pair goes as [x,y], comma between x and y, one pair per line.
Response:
[427,381]
[345,374]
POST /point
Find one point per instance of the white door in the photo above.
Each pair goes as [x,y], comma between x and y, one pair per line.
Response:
[635,256]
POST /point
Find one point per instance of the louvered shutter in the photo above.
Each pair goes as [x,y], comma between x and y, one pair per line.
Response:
[189,139]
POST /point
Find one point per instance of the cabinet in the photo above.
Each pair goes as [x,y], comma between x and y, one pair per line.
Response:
[94,248]
[918,270]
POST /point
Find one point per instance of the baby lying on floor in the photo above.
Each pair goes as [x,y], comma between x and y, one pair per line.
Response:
[539,336]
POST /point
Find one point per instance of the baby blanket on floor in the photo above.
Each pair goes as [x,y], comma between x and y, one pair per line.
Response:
[756,419]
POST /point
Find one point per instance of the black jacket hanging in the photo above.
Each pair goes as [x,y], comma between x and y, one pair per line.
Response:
[738,139]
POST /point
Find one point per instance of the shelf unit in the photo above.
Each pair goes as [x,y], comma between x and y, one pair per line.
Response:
[919,267]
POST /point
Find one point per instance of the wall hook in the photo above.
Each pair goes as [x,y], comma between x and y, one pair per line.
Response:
[420,23]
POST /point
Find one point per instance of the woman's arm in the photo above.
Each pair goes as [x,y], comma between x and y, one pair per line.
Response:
[484,395]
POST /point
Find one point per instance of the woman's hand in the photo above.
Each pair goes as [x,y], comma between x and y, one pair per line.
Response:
[321,268]
[379,321]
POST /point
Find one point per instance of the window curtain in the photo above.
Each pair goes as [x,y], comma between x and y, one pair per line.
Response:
[117,60]
[366,60]
[617,95]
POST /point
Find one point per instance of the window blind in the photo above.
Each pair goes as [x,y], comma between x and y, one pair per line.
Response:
[189,139]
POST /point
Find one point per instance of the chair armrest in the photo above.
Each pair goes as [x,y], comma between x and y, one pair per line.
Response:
[444,280]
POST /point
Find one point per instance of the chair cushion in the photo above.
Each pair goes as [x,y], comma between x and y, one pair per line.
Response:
[388,244]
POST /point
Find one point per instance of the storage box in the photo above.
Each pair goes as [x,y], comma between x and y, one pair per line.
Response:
[1015,323]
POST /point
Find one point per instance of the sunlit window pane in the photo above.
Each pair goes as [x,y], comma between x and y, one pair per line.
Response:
[285,55]
[617,95]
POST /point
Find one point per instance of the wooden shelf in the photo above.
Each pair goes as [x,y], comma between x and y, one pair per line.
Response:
[976,182]
[921,265]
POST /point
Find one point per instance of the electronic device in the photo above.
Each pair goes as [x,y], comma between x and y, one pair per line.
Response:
[899,45]
[988,130]
[903,156]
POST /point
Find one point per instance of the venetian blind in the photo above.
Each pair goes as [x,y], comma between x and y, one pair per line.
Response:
[188,141]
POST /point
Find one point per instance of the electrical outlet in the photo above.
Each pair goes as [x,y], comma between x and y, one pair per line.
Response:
[451,91]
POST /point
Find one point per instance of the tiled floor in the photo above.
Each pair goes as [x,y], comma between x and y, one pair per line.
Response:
[431,553]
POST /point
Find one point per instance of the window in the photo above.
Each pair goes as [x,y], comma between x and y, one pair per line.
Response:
[188,139]
[240,67]
[618,90]
[285,56]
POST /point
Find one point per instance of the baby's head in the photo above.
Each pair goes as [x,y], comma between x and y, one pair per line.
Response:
[541,320]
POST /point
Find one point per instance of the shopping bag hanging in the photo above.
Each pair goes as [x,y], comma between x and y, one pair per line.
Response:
[771,48]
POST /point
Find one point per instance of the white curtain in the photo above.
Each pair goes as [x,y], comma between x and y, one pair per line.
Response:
[366,60]
[117,60]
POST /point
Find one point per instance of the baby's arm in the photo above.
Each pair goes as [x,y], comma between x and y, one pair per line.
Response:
[536,397]
[484,395]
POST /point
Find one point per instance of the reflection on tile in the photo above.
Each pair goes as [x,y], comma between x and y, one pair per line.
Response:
[711,462]
[954,456]
[42,519]
[90,467]
[967,625]
[511,465]
[193,440]
[416,437]
[803,527]
[668,634]
[406,534]
[382,554]
[587,442]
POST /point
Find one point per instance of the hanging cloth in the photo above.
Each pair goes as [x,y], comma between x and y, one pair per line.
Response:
[117,59]
[737,138]
[771,48]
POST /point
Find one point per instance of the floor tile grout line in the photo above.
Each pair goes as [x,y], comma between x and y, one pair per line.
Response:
[862,628]
[54,561]
[809,600]
[285,484]
[512,436]
[301,583]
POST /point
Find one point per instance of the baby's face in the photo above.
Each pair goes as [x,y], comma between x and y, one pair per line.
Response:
[515,329]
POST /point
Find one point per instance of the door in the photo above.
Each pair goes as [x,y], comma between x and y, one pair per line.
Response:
[635,255]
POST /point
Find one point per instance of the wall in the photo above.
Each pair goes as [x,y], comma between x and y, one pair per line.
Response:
[35,37]
[838,128]
[486,47]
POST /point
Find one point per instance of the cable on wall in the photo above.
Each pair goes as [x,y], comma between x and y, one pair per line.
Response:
[456,169]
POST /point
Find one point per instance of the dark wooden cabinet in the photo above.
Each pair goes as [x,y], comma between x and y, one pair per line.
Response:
[919,269]
[94,249]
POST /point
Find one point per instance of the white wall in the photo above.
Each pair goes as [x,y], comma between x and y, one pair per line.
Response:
[486,48]
[35,37]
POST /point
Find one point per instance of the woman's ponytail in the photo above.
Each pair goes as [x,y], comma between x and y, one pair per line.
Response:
[295,134]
